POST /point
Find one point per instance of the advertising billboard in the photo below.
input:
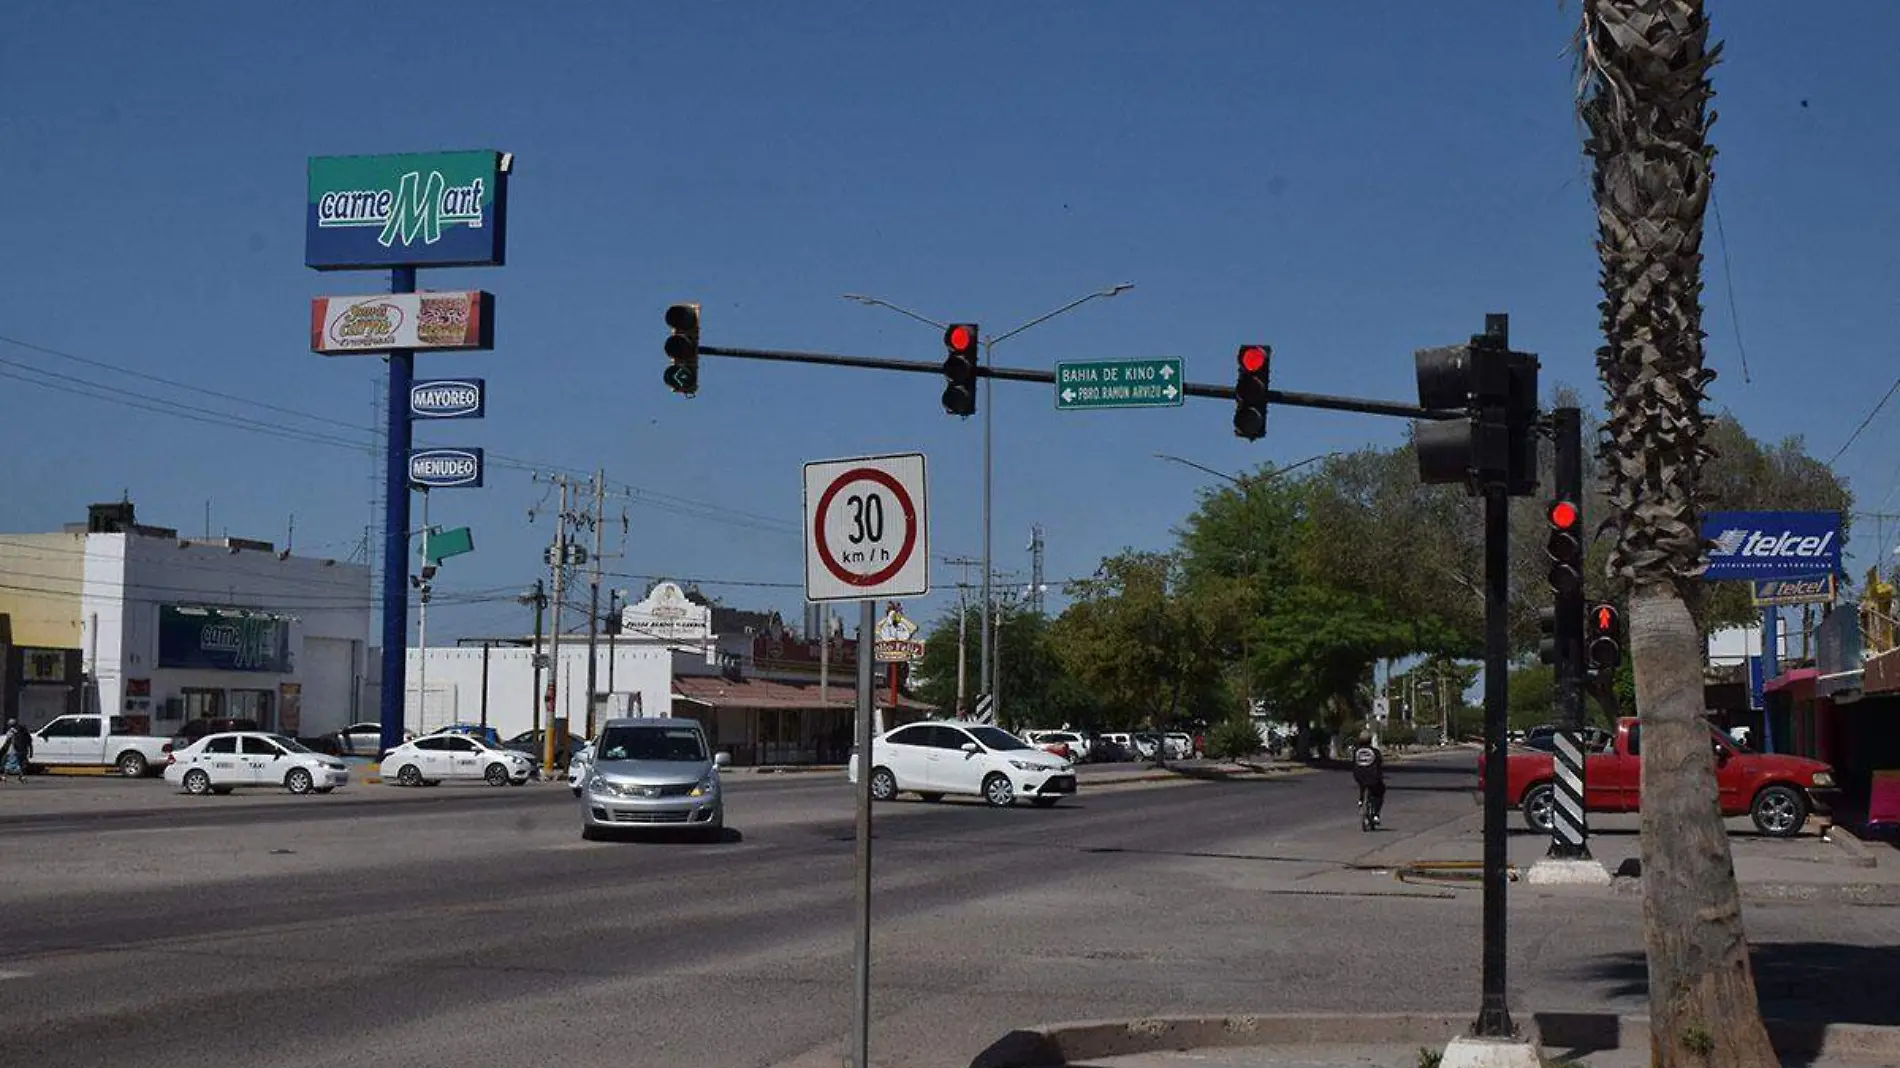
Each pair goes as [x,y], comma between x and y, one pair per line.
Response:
[445,468]
[431,209]
[1812,589]
[212,639]
[424,322]
[1766,545]
[448,398]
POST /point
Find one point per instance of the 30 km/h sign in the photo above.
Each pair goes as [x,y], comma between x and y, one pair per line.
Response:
[867,534]
[1119,384]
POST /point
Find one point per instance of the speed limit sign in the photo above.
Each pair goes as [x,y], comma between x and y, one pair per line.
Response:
[866,532]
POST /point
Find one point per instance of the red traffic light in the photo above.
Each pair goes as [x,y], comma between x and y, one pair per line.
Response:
[960,337]
[1253,358]
[1604,618]
[1563,515]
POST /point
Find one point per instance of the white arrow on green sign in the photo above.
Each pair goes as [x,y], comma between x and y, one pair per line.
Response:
[1119,384]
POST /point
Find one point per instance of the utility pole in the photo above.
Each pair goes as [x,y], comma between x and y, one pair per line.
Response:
[593,599]
[613,636]
[538,597]
[554,643]
[963,630]
[1035,569]
[422,585]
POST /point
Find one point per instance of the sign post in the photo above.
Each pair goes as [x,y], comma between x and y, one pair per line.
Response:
[866,537]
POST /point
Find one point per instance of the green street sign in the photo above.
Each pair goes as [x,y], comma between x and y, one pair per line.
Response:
[1119,384]
[447,543]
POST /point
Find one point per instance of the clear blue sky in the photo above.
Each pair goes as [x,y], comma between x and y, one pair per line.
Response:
[1346,183]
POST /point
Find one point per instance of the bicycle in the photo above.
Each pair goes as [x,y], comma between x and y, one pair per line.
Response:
[1368,815]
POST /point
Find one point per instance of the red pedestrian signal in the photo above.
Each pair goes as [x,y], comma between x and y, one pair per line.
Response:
[959,368]
[1605,651]
[1254,365]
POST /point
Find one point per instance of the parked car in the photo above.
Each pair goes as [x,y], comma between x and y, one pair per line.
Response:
[1077,746]
[99,741]
[1180,745]
[1777,791]
[933,759]
[653,773]
[434,757]
[530,744]
[218,763]
[1115,747]
[366,738]
[196,729]
[578,766]
[476,730]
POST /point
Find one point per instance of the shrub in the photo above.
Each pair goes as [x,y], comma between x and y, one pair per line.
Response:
[1233,739]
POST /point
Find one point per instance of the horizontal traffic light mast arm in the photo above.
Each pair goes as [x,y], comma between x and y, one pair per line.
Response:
[1020,374]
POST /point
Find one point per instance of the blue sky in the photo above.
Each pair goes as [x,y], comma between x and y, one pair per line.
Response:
[1344,182]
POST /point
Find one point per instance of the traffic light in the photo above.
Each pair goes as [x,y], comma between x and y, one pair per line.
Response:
[1547,626]
[1254,364]
[1496,443]
[959,368]
[1565,549]
[1605,652]
[682,348]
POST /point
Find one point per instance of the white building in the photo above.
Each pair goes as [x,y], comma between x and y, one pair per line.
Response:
[173,628]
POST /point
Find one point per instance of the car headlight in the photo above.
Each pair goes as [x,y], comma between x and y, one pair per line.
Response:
[1024,765]
[706,787]
[1823,779]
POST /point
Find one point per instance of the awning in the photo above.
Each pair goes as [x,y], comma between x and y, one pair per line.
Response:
[1788,680]
[715,691]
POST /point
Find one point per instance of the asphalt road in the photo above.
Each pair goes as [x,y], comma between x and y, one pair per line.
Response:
[477,927]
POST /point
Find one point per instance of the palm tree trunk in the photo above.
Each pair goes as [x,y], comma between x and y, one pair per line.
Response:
[1646,70]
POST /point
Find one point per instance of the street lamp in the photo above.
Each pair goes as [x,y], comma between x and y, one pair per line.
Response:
[987,651]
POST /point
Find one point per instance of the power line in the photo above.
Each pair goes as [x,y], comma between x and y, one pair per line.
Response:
[1855,436]
[1728,280]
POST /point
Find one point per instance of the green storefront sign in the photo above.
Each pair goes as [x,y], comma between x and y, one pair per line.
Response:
[212,639]
[430,209]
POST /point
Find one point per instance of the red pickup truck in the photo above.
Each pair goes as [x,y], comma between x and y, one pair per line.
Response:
[1775,790]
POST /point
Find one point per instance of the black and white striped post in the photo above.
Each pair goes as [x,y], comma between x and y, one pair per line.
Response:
[1569,830]
[985,709]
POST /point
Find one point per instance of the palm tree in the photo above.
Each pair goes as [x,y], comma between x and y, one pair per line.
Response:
[1645,101]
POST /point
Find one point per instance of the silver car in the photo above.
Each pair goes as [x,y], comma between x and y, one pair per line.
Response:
[652,773]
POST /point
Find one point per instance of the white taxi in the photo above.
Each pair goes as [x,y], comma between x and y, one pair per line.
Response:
[435,757]
[219,763]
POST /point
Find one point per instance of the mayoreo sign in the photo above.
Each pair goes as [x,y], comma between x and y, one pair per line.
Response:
[448,398]
[435,209]
[445,468]
[1814,589]
[1765,545]
[421,322]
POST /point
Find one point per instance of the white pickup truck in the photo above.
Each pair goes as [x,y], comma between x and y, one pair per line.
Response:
[99,741]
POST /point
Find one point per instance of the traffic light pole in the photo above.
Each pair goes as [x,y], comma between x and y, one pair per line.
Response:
[1494,1014]
[1569,829]
[1019,374]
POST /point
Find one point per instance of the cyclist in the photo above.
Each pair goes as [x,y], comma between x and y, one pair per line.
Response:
[1368,770]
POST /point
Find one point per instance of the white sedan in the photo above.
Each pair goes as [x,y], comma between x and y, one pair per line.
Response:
[218,763]
[430,760]
[577,765]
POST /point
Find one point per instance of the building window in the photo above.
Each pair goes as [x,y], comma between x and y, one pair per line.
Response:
[253,705]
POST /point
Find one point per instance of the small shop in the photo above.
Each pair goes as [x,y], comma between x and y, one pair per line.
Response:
[765,721]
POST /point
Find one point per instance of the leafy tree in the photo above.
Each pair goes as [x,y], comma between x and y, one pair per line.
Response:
[1146,653]
[1646,93]
[1033,688]
[1533,693]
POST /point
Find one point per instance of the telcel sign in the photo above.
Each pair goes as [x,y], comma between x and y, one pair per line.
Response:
[448,398]
[1765,545]
[445,468]
[436,209]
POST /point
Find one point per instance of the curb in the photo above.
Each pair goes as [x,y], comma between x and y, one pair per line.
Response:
[1056,1045]
[1850,843]
[78,770]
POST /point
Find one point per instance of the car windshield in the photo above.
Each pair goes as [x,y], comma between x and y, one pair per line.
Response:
[998,739]
[652,743]
[291,744]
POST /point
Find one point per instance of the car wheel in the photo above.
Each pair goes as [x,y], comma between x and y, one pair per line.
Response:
[197,782]
[298,781]
[998,792]
[1540,807]
[932,798]
[496,775]
[409,775]
[883,784]
[1044,802]
[133,765]
[577,791]
[1779,811]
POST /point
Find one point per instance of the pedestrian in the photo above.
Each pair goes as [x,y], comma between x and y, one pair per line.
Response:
[19,750]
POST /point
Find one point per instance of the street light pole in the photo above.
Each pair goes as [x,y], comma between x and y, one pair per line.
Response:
[987,654]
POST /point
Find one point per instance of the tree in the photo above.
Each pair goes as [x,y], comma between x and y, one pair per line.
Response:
[1533,696]
[1033,688]
[1645,96]
[1146,653]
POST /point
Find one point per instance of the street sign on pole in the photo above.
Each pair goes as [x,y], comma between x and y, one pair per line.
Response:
[867,533]
[1119,384]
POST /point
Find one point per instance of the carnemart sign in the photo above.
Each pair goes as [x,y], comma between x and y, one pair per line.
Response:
[445,468]
[437,209]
